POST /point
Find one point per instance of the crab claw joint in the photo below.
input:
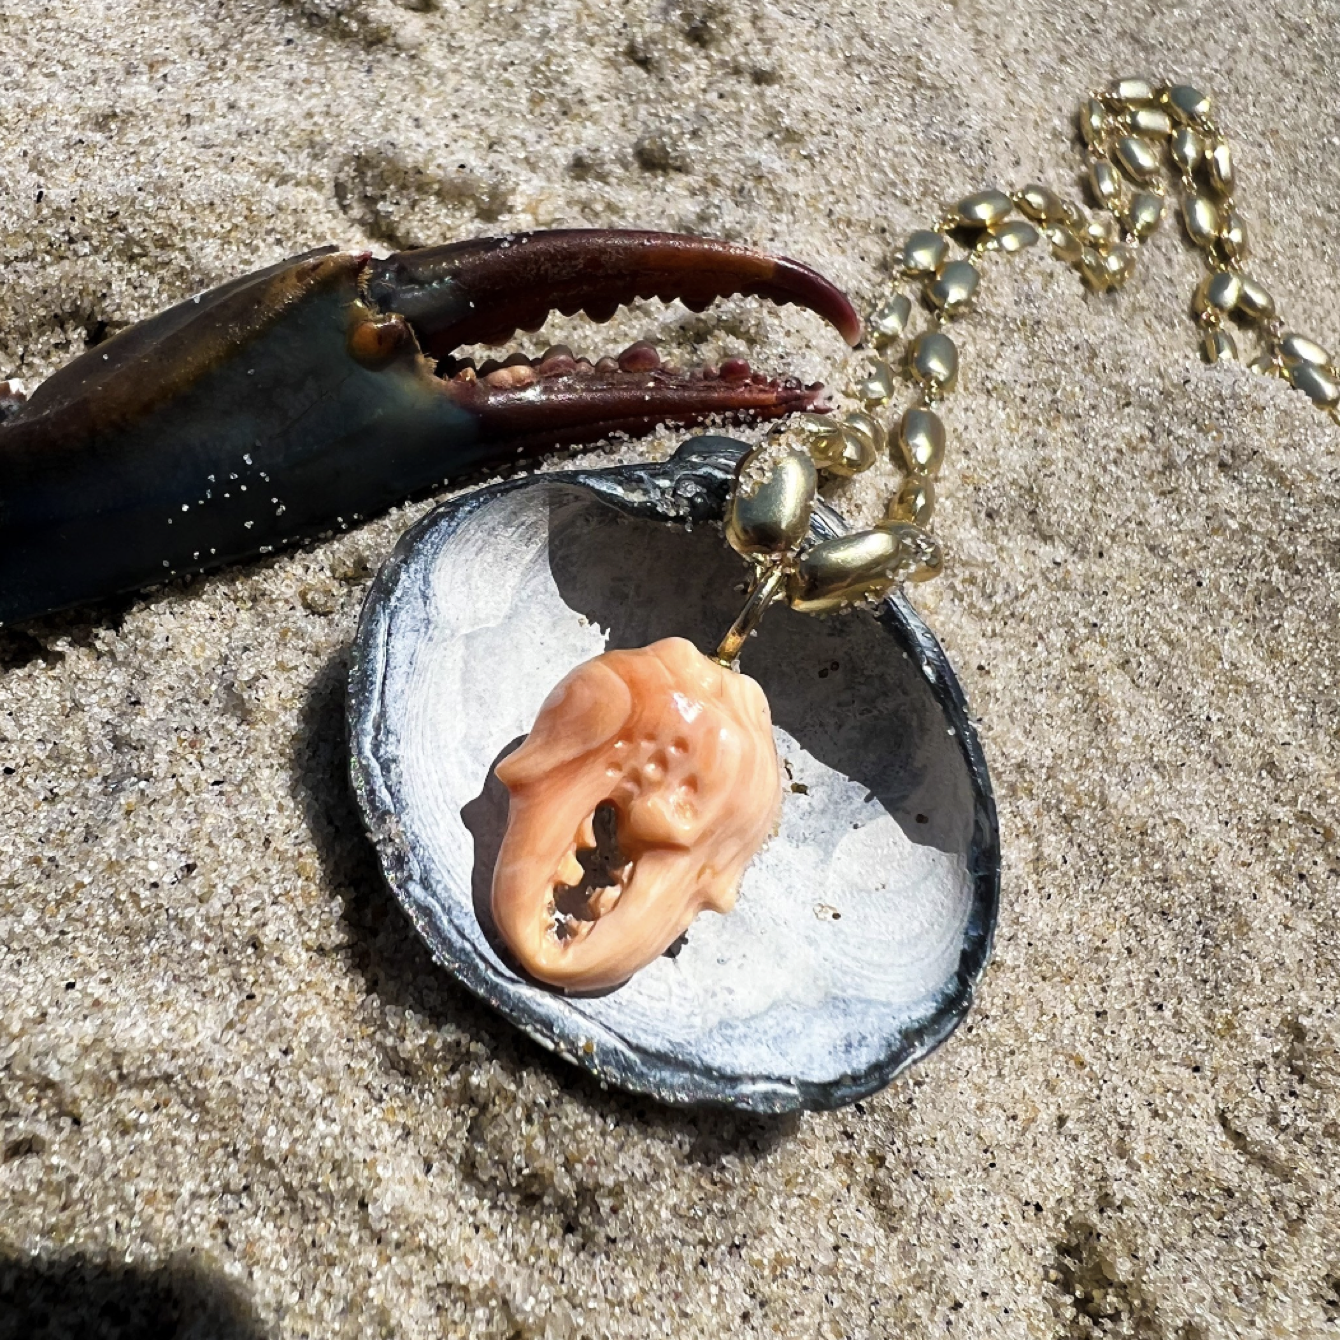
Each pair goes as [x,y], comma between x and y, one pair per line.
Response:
[310,395]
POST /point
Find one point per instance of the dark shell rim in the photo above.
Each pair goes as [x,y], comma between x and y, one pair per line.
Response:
[690,487]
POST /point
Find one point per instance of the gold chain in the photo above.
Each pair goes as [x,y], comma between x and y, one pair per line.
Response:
[1123,130]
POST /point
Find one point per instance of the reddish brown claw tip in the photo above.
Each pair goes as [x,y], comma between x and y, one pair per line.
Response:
[800,284]
[735,370]
[479,292]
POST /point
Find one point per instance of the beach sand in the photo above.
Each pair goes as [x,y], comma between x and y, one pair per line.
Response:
[236,1092]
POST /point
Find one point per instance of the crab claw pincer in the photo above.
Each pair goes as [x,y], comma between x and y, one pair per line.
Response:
[324,389]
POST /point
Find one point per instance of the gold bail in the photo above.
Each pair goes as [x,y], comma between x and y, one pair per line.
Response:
[766,588]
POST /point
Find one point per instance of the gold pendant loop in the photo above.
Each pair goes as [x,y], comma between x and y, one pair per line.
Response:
[767,586]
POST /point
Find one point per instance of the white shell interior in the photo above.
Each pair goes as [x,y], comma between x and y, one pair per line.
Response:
[850,922]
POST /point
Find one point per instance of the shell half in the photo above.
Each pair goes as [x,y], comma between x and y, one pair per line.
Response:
[864,924]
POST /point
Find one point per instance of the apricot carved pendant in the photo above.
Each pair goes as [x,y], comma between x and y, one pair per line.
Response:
[647,784]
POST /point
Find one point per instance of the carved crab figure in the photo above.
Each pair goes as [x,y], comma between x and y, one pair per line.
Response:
[324,389]
[671,754]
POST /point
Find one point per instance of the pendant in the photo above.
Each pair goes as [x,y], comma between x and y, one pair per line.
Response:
[671,756]
[862,924]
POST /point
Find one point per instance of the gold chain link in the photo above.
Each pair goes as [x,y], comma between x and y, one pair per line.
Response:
[1124,130]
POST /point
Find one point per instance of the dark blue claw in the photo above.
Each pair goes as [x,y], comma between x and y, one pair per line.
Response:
[322,391]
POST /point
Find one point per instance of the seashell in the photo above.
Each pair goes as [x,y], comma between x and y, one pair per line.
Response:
[864,923]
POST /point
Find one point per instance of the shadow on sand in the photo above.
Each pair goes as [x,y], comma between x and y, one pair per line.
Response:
[79,1298]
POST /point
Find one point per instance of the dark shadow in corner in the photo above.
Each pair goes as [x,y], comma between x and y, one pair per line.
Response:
[386,951]
[78,1298]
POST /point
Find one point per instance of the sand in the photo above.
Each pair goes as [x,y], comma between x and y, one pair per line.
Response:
[238,1099]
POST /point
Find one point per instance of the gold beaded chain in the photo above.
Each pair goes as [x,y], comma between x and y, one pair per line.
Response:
[767,518]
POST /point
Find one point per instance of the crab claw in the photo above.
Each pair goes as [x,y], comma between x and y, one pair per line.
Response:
[323,390]
[482,292]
